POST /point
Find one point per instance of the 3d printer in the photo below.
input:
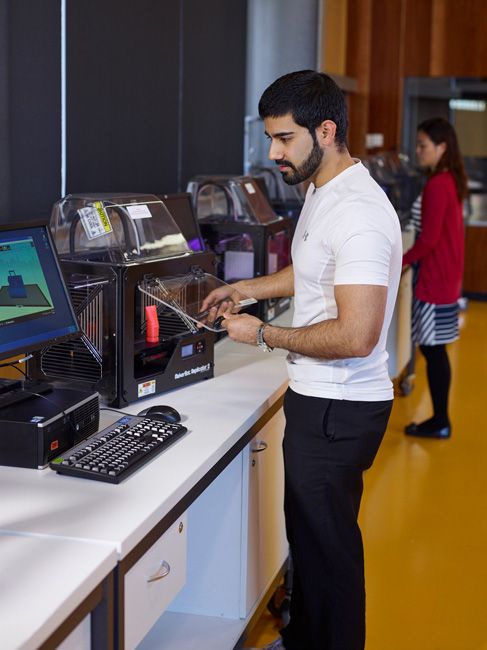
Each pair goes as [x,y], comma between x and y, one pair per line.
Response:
[249,239]
[286,200]
[119,254]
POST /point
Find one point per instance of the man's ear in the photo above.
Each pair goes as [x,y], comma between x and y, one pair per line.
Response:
[325,132]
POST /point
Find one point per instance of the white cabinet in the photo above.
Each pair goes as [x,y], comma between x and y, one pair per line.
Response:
[399,344]
[265,545]
[154,580]
[236,539]
[214,548]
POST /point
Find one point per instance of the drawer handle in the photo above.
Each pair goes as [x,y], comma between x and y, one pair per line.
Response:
[261,446]
[162,573]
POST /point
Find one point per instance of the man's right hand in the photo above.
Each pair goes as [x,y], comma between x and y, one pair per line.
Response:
[218,302]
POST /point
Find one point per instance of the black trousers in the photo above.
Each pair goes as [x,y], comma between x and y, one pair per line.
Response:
[327,446]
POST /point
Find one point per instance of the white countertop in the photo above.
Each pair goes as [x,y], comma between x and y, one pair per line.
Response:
[217,412]
[33,574]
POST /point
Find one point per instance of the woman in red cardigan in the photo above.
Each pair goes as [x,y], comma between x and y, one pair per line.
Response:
[437,257]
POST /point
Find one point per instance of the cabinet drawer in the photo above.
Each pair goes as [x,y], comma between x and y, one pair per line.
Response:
[153,582]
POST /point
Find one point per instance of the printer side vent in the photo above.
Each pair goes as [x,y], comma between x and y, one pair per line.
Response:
[87,297]
[72,360]
[80,358]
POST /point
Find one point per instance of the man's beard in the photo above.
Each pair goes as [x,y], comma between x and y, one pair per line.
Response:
[306,169]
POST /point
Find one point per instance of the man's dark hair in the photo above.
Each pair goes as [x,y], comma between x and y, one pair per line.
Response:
[311,98]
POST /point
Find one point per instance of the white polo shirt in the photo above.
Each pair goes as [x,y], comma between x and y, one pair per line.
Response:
[347,233]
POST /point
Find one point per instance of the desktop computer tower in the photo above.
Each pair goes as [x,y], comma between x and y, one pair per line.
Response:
[39,427]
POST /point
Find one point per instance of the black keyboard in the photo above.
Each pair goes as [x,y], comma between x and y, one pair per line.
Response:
[116,452]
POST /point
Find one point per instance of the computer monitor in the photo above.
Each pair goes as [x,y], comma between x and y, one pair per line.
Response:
[35,305]
[180,207]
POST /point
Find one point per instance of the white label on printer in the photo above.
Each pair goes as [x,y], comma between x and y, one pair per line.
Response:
[95,221]
[250,188]
[147,388]
[139,211]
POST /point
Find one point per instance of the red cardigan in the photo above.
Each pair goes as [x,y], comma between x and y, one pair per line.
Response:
[440,245]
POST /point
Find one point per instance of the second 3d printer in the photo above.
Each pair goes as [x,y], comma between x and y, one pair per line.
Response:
[248,238]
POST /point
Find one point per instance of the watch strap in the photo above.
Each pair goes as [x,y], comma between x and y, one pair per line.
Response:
[260,339]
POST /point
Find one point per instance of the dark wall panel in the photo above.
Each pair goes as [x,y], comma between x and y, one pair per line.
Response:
[32,109]
[122,95]
[155,94]
[214,63]
[4,114]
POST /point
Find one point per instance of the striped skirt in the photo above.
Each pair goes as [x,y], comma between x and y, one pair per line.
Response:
[434,324]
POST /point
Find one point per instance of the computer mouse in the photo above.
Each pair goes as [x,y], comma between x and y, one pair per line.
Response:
[163,413]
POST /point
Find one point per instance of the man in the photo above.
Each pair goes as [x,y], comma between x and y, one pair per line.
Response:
[346,265]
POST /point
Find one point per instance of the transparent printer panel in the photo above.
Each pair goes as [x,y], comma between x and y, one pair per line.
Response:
[119,228]
[230,199]
[185,295]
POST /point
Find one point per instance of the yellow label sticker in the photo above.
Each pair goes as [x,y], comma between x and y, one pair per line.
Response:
[103,216]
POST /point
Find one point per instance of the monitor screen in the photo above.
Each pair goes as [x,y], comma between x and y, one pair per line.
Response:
[35,305]
[181,210]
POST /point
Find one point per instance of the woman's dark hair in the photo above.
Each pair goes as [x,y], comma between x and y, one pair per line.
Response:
[311,98]
[440,130]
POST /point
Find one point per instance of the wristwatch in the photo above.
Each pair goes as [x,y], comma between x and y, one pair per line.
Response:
[260,339]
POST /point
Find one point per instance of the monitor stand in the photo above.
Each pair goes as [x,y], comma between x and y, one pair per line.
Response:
[13,391]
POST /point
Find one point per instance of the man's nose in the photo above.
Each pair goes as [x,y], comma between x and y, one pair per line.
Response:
[275,151]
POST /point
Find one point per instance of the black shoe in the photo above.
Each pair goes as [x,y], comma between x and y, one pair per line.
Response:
[413,430]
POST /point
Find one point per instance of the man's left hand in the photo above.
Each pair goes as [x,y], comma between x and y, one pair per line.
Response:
[242,327]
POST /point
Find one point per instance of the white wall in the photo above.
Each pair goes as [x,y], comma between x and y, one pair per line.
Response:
[282,36]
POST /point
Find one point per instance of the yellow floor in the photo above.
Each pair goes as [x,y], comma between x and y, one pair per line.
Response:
[424,516]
